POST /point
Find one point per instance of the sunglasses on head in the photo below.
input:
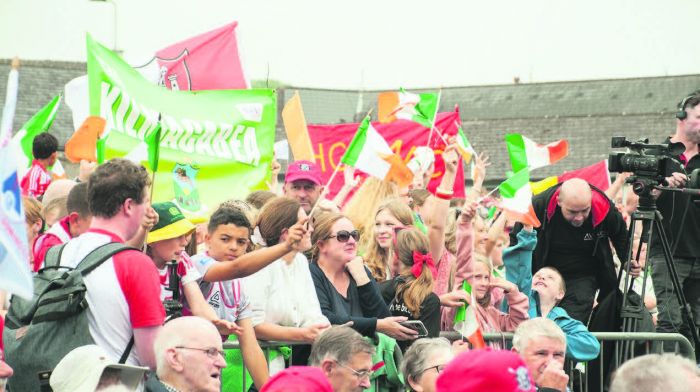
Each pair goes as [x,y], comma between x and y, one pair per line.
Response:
[344,235]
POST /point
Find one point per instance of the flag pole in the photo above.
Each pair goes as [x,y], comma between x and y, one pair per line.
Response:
[154,169]
[432,127]
[332,177]
[324,191]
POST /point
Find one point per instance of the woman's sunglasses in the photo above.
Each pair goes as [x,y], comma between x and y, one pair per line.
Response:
[344,235]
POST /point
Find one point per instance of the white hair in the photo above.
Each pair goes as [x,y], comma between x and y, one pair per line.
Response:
[654,373]
[538,327]
[176,332]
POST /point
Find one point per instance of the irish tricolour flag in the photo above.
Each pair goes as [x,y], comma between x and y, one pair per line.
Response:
[466,322]
[370,153]
[463,146]
[517,198]
[525,153]
[420,108]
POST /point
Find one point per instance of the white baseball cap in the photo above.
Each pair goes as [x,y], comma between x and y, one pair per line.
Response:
[83,367]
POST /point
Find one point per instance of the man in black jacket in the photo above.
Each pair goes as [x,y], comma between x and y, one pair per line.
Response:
[578,224]
[681,221]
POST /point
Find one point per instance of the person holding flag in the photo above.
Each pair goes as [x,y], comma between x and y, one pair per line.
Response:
[479,282]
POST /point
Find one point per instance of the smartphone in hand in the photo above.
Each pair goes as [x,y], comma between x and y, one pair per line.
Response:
[417,326]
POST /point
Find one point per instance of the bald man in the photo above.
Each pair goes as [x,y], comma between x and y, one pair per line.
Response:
[578,224]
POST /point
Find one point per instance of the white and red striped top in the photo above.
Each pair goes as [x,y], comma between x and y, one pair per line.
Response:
[35,182]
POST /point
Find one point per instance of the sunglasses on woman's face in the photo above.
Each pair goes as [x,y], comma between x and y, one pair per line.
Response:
[344,235]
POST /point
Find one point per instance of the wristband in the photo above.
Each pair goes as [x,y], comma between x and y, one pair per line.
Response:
[443,196]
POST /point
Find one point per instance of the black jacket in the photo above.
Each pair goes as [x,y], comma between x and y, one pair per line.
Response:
[608,224]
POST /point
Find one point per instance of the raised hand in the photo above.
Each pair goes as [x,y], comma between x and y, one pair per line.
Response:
[451,158]
[296,233]
[502,283]
[468,212]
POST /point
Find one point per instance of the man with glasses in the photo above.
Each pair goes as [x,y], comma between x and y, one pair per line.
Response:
[189,357]
[345,357]
[579,223]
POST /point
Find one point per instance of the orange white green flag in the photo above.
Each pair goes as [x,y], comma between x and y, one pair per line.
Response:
[420,108]
[516,197]
[463,146]
[526,153]
[466,322]
[370,153]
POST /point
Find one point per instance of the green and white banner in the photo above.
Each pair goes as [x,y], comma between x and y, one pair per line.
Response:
[214,145]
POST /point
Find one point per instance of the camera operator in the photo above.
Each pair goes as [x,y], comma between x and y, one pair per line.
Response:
[681,221]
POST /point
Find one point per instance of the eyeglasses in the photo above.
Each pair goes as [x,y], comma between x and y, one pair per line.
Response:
[360,374]
[344,235]
[438,369]
[211,352]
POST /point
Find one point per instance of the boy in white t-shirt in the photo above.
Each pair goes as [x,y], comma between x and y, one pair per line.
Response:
[228,237]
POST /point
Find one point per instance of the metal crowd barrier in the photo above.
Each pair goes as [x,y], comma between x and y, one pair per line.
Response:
[619,342]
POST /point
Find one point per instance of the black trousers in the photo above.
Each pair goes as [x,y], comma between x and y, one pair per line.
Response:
[578,300]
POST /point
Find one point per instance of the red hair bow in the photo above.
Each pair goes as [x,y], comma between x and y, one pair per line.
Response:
[418,260]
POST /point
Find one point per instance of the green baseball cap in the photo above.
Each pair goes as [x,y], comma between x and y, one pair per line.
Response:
[171,223]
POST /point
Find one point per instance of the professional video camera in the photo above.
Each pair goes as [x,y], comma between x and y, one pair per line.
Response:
[649,164]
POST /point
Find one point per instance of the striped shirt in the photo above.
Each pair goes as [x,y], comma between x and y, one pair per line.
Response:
[35,182]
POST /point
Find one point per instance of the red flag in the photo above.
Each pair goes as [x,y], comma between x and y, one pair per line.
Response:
[208,61]
[596,174]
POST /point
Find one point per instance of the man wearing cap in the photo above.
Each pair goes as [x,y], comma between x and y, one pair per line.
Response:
[89,368]
[542,345]
[303,182]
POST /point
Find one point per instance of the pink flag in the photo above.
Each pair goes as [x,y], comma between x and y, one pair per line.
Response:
[208,61]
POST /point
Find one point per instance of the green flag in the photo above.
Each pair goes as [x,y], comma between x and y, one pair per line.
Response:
[153,143]
[213,145]
[40,122]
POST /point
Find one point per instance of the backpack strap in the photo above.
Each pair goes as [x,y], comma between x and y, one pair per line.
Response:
[127,351]
[53,256]
[99,255]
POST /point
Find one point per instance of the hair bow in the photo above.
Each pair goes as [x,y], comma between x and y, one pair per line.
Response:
[418,260]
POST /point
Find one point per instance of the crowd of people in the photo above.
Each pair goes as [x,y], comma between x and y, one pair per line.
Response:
[361,288]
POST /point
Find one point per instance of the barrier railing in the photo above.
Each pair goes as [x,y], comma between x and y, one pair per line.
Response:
[624,345]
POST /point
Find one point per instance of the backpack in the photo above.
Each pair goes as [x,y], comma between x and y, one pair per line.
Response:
[40,332]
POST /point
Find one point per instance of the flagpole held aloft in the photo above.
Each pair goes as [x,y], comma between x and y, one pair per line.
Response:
[432,127]
[324,191]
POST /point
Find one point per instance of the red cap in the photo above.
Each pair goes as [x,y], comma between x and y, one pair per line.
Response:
[298,379]
[303,170]
[486,370]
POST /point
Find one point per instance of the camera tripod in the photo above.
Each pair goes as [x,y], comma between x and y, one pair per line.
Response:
[650,218]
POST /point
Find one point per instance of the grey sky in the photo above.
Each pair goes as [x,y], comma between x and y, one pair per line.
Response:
[383,44]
